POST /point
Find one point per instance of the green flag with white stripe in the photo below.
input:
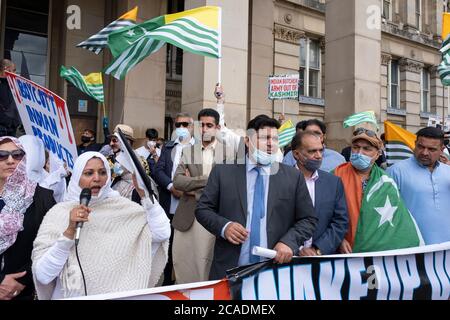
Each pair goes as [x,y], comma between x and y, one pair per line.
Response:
[360,117]
[91,84]
[196,31]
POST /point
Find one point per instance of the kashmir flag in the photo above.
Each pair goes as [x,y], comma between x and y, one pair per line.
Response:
[197,31]
[444,66]
[378,217]
[98,41]
[400,143]
[360,117]
[286,133]
[91,84]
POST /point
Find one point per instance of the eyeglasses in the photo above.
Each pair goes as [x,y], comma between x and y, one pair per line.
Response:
[184,124]
[15,154]
[368,132]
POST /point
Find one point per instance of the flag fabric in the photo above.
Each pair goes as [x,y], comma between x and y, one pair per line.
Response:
[197,31]
[24,68]
[360,117]
[400,143]
[444,69]
[286,133]
[379,219]
[98,41]
[444,66]
[92,84]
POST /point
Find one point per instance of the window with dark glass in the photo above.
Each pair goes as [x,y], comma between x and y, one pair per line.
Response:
[26,37]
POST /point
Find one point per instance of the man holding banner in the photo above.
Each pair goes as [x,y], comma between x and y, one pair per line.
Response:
[274,208]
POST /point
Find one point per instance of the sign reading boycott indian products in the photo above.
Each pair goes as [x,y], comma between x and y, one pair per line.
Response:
[44,115]
[283,87]
[409,274]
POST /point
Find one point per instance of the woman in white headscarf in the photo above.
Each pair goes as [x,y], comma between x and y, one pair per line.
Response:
[123,246]
[23,205]
[56,179]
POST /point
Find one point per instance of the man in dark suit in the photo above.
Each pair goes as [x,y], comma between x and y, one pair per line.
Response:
[327,194]
[165,171]
[258,203]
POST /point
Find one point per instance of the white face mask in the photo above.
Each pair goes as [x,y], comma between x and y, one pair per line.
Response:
[262,157]
[151,144]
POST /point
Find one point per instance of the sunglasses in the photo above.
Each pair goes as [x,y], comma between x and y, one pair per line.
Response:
[15,154]
[184,124]
[368,132]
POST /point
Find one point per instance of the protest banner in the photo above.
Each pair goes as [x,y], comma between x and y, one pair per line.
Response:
[283,87]
[208,290]
[44,115]
[420,273]
[408,274]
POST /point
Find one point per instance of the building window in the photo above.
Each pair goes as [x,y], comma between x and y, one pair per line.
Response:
[310,64]
[419,14]
[26,38]
[387,9]
[425,91]
[393,85]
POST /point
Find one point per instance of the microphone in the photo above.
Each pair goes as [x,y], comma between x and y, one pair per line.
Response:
[85,197]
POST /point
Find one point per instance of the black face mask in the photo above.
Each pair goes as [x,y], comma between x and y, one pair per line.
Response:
[85,139]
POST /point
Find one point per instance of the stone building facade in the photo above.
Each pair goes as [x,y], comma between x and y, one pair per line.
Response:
[352,55]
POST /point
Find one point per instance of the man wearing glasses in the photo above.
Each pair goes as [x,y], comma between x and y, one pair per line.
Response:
[165,171]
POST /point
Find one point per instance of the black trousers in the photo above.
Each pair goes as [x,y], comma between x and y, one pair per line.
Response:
[168,270]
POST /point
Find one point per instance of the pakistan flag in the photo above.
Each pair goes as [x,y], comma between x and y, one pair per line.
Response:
[384,222]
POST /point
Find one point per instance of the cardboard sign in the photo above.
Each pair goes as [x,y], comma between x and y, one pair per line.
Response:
[44,115]
[283,87]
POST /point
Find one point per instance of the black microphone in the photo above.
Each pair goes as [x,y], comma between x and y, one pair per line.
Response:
[85,197]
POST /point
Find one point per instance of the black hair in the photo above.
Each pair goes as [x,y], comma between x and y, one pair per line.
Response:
[90,131]
[298,139]
[262,121]
[151,133]
[251,123]
[315,122]
[299,125]
[432,133]
[208,112]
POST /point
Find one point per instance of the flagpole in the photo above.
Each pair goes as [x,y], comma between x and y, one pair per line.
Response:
[219,62]
[283,106]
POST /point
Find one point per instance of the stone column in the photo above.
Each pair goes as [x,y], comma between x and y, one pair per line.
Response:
[410,72]
[200,73]
[139,100]
[408,14]
[353,58]
[261,57]
[438,94]
[436,10]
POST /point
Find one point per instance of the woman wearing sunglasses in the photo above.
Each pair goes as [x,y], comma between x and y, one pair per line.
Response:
[23,205]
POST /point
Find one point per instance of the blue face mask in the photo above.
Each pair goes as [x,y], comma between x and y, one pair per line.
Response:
[182,133]
[263,158]
[361,161]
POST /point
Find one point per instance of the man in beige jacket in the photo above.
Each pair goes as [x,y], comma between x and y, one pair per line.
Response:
[192,245]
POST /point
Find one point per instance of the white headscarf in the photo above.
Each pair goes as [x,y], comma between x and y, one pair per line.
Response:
[35,151]
[74,189]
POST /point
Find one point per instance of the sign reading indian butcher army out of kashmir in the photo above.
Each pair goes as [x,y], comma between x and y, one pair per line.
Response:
[283,87]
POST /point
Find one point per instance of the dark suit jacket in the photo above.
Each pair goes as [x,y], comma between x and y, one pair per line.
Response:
[290,215]
[17,258]
[163,175]
[331,209]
